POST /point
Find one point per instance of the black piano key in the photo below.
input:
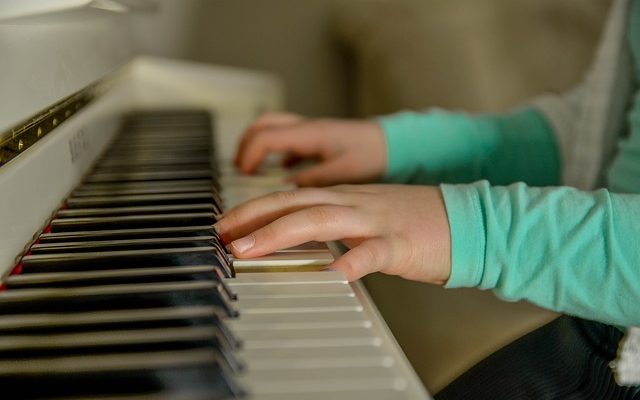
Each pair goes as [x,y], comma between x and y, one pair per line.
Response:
[116,297]
[123,244]
[147,176]
[132,221]
[167,317]
[118,341]
[169,170]
[117,234]
[119,276]
[160,148]
[163,140]
[121,191]
[140,199]
[111,286]
[113,186]
[115,276]
[164,189]
[169,149]
[148,145]
[138,161]
[187,395]
[169,372]
[135,210]
[69,262]
[169,123]
[115,161]
[192,142]
[168,128]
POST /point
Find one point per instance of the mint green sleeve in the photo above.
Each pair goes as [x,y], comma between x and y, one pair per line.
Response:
[441,146]
[566,250]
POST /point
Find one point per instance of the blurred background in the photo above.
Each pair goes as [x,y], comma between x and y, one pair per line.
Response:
[364,57]
[358,58]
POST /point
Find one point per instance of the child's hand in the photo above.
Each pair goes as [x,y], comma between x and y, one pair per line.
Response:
[349,151]
[396,229]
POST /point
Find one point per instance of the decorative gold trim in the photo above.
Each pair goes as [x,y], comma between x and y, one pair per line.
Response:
[18,139]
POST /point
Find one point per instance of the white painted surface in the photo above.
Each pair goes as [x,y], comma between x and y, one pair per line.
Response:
[45,60]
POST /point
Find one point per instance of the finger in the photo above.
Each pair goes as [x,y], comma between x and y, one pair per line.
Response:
[267,120]
[370,188]
[319,223]
[304,139]
[372,255]
[253,214]
[276,119]
[329,172]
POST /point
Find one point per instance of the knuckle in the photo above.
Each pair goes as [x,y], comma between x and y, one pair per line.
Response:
[285,196]
[323,216]
[266,234]
[312,193]
[345,187]
[377,253]
[233,218]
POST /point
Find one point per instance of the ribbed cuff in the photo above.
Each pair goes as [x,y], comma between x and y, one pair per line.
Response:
[468,234]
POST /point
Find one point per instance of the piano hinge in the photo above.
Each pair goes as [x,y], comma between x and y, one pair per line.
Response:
[19,138]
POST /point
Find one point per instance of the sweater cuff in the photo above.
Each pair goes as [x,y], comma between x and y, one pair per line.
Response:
[402,134]
[416,145]
[468,234]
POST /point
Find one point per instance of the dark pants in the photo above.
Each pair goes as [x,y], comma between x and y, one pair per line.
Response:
[565,359]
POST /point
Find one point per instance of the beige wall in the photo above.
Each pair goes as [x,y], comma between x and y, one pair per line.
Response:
[362,57]
[288,37]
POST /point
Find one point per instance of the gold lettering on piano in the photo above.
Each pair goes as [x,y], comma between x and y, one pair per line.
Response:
[19,138]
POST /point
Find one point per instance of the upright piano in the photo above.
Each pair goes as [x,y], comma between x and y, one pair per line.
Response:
[113,284]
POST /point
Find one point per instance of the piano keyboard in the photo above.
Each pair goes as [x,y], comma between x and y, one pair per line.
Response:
[130,294]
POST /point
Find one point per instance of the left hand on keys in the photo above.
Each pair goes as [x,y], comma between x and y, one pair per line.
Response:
[396,229]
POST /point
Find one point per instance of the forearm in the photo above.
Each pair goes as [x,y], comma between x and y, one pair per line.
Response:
[563,249]
[451,147]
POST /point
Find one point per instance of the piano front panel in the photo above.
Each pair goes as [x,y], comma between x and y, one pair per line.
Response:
[129,293]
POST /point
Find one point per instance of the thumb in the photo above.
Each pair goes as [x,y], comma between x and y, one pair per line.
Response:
[372,255]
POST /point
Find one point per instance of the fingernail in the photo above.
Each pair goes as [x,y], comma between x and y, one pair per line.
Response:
[243,244]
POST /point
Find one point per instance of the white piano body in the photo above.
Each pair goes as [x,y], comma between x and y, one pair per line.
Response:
[57,54]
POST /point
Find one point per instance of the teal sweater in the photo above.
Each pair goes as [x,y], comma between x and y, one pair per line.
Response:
[567,250]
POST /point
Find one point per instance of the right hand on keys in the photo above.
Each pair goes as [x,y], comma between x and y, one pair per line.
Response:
[349,151]
[396,229]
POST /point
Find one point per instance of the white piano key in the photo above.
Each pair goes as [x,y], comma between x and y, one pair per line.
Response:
[274,278]
[287,343]
[382,361]
[284,259]
[294,291]
[300,320]
[309,304]
[359,351]
[366,394]
[323,380]
[307,334]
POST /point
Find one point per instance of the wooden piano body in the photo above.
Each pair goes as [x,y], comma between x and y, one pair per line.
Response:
[68,74]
